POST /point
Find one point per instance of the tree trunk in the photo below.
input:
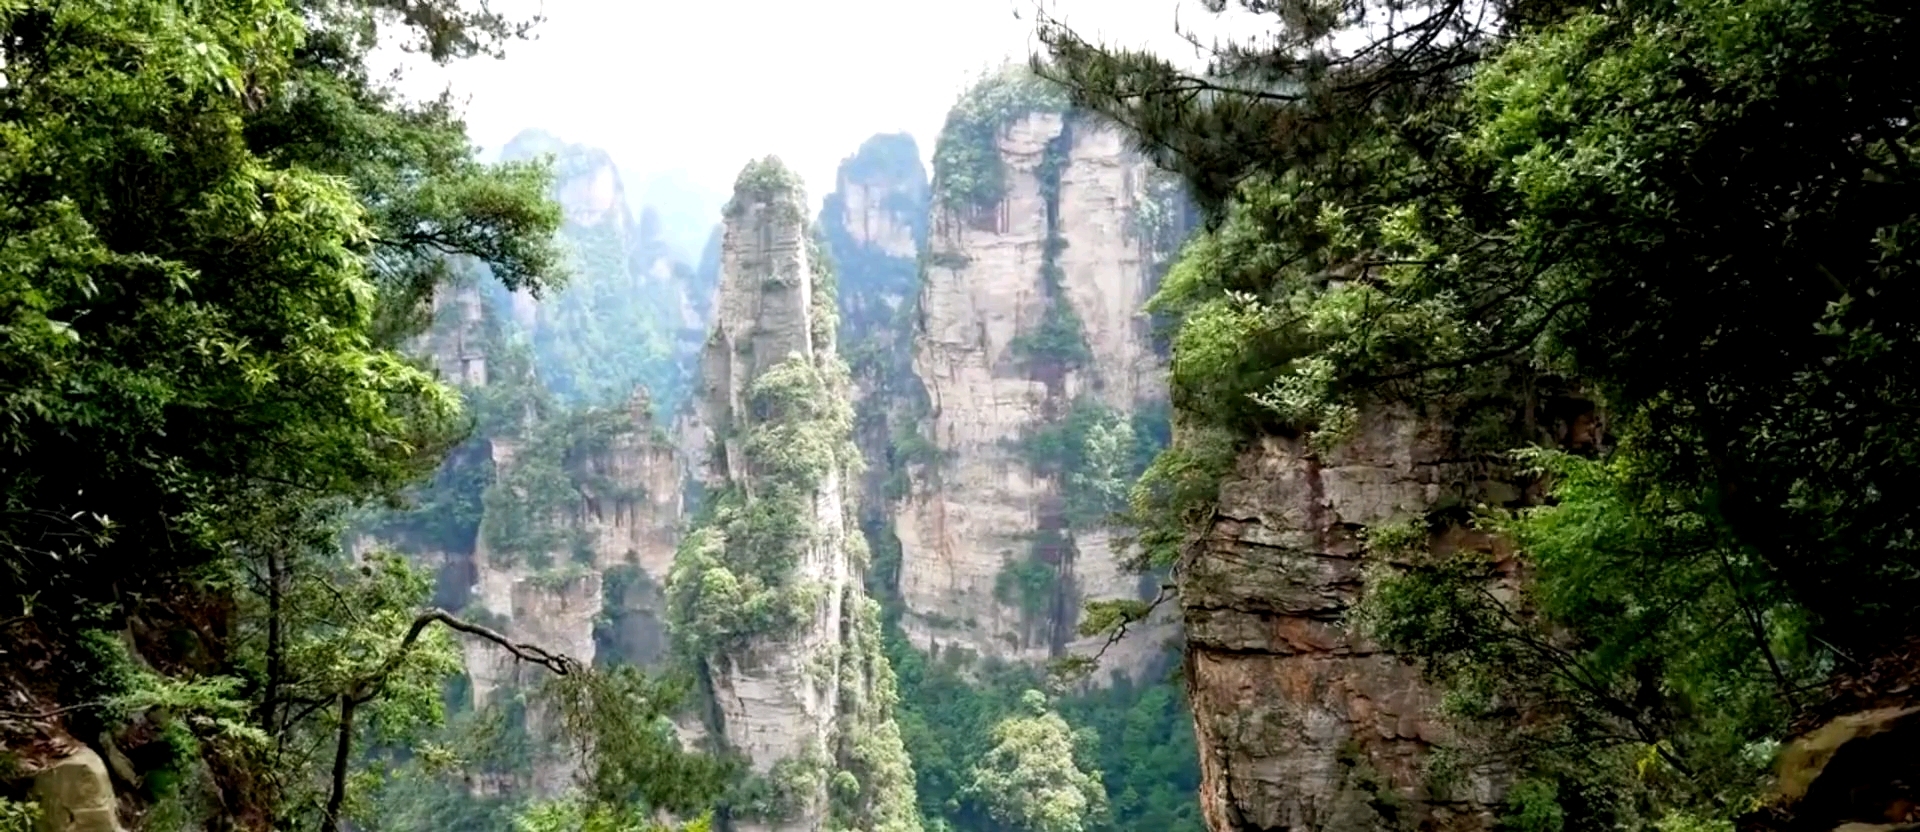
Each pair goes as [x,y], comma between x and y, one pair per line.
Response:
[332,821]
[270,697]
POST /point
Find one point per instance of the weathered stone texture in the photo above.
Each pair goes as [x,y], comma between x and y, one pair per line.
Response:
[1296,714]
[981,506]
[783,695]
[76,795]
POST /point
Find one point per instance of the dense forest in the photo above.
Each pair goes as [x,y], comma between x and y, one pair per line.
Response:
[1508,436]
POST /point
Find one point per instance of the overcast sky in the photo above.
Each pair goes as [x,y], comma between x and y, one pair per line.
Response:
[701,86]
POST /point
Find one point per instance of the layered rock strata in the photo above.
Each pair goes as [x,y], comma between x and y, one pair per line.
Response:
[874,226]
[1303,723]
[618,529]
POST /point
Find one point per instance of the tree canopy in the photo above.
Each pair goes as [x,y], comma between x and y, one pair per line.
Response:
[219,232]
[1693,214]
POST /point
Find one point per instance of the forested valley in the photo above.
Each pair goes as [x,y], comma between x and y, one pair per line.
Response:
[1414,415]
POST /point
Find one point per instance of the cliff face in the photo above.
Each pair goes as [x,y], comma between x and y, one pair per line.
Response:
[874,224]
[558,521]
[561,517]
[1301,722]
[580,533]
[1042,388]
[768,592]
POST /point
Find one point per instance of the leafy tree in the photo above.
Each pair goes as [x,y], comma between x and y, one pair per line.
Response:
[571,815]
[18,816]
[219,228]
[1029,779]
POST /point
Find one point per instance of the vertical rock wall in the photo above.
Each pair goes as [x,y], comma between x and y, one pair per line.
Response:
[1302,723]
[619,525]
[992,563]
[558,521]
[874,225]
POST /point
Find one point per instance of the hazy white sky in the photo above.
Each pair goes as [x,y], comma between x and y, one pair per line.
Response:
[701,86]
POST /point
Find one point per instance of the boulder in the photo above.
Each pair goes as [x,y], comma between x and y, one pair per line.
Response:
[76,795]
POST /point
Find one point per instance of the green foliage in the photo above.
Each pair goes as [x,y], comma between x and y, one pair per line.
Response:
[785,791]
[445,512]
[427,784]
[1142,742]
[18,815]
[1106,616]
[910,447]
[1690,658]
[733,575]
[574,815]
[1027,584]
[1687,207]
[220,227]
[968,174]
[103,673]
[611,329]
[620,721]
[1092,451]
[158,386]
[800,427]
[766,180]
[1029,778]
[530,510]
[1060,341]
[707,602]
[1533,806]
[1176,492]
[1140,737]
[886,158]
[872,751]
[616,325]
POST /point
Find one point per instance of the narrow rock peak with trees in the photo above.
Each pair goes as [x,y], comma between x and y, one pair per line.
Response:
[1410,416]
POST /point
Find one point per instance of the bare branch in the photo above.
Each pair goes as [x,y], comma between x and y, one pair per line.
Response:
[369,687]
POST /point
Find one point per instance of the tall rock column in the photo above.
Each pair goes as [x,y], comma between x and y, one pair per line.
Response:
[1044,388]
[766,594]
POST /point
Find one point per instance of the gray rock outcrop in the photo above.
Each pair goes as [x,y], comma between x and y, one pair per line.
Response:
[76,795]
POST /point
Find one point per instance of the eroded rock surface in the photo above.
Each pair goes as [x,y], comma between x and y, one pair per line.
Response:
[1061,240]
[1302,723]
[770,593]
[76,795]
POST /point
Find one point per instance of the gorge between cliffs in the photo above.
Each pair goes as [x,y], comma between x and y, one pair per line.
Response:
[1402,417]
